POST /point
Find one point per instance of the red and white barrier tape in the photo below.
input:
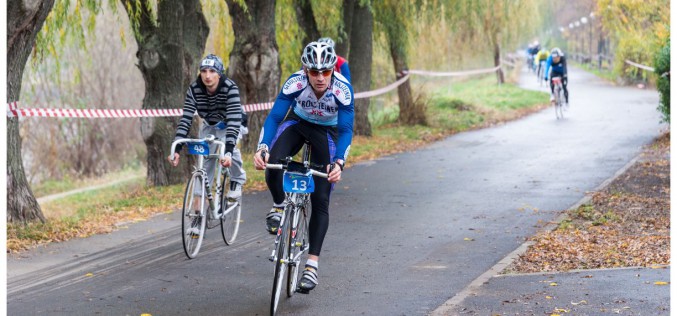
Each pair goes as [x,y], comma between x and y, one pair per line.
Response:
[14,111]
[640,65]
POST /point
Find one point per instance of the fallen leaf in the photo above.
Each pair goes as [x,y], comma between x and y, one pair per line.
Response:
[548,297]
[553,283]
[89,274]
[661,283]
[468,239]
[584,302]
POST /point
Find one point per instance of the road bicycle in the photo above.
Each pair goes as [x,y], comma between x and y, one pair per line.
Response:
[558,91]
[541,73]
[214,209]
[291,241]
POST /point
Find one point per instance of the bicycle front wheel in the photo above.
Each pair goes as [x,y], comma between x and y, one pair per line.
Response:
[281,261]
[299,244]
[559,109]
[230,221]
[194,220]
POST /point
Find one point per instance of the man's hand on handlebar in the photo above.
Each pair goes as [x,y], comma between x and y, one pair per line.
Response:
[334,171]
[226,161]
[174,160]
[261,159]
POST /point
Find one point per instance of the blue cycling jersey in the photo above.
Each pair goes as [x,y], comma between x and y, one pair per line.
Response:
[334,108]
[559,68]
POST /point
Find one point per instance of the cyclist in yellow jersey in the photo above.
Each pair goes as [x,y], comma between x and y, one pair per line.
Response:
[540,59]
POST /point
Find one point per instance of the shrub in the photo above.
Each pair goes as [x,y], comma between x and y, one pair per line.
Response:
[662,66]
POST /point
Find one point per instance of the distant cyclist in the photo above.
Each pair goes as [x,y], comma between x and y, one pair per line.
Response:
[341,63]
[216,99]
[540,59]
[315,105]
[558,63]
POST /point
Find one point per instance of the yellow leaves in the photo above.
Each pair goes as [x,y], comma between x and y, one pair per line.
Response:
[468,239]
[553,284]
[146,314]
[661,283]
[89,274]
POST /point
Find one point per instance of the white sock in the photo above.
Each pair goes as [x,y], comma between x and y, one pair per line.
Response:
[312,263]
[280,205]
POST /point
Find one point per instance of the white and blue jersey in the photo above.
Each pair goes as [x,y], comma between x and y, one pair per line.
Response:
[335,108]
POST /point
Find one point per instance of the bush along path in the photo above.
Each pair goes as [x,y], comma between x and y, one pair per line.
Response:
[626,224]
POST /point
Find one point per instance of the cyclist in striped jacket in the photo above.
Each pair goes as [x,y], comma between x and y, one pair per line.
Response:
[216,99]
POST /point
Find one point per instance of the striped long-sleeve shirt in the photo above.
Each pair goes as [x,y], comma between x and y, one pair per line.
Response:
[224,106]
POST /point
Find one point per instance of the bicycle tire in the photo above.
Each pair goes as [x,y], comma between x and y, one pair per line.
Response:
[192,243]
[280,264]
[559,111]
[299,243]
[230,222]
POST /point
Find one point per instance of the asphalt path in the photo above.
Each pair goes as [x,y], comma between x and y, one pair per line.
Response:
[407,231]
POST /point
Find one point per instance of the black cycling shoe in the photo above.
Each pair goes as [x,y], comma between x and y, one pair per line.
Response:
[308,281]
[273,220]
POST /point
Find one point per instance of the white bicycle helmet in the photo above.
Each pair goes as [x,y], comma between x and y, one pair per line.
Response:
[556,52]
[319,56]
[327,40]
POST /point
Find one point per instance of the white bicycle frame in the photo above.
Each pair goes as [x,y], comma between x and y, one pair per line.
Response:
[221,148]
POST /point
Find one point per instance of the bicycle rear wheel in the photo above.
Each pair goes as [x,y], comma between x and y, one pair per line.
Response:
[194,221]
[299,244]
[281,261]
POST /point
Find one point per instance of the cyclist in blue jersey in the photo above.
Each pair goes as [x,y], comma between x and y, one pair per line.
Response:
[315,105]
[558,63]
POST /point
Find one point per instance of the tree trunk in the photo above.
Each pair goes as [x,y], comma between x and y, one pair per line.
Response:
[169,54]
[360,64]
[306,20]
[343,42]
[24,20]
[393,22]
[497,59]
[254,60]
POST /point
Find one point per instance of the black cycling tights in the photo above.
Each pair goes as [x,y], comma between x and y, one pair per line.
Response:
[290,138]
[564,85]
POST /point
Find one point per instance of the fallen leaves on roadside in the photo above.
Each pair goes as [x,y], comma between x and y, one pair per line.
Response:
[626,224]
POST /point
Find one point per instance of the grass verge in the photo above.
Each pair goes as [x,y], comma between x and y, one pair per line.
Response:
[451,109]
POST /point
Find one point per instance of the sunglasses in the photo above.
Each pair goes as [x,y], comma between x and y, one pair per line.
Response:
[316,72]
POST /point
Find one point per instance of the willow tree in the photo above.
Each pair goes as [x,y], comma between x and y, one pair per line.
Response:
[306,19]
[392,19]
[24,20]
[639,28]
[496,22]
[170,47]
[360,54]
[254,61]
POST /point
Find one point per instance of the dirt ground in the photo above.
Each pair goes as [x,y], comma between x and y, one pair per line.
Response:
[627,224]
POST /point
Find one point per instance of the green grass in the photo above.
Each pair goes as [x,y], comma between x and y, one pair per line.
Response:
[57,186]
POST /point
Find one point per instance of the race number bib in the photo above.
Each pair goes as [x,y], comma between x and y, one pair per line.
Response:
[201,148]
[298,183]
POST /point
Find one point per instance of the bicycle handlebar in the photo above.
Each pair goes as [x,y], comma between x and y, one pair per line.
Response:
[312,172]
[209,139]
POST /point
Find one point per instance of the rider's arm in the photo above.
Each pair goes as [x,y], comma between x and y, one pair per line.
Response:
[564,65]
[547,67]
[233,116]
[344,69]
[277,114]
[189,108]
[344,126]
